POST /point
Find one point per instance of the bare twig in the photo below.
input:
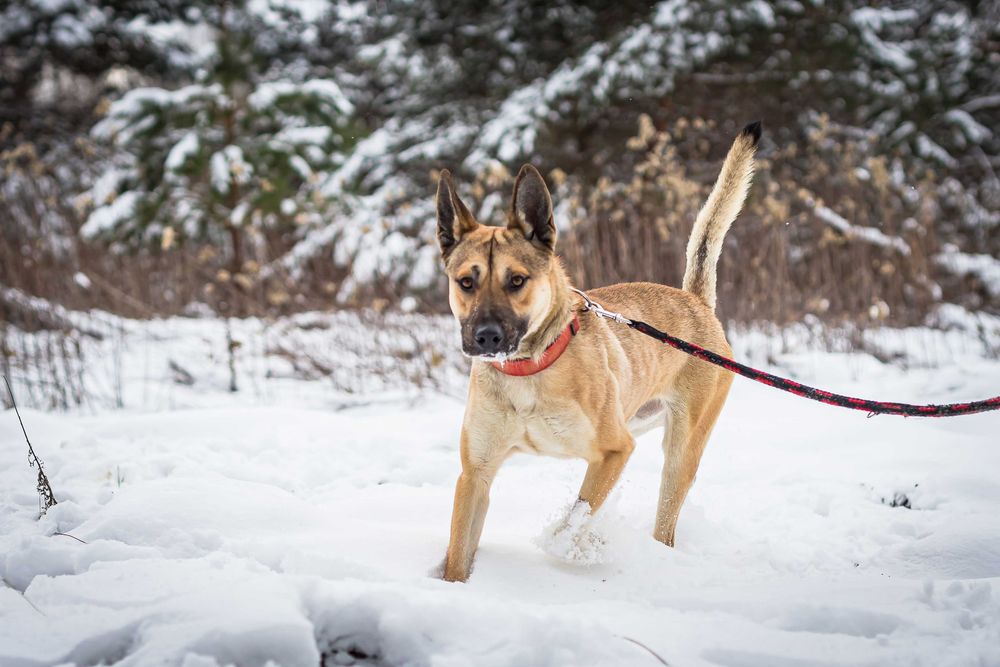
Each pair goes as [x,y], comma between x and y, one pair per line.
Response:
[73,536]
[735,78]
[651,651]
[45,495]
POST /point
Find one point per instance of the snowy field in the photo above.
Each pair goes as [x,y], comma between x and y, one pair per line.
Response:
[296,524]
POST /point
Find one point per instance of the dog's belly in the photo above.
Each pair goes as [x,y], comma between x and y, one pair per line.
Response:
[649,416]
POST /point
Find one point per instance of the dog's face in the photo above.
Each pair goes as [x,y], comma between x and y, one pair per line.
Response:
[499,278]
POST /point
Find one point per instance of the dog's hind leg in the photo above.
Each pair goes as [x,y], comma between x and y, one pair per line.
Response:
[603,473]
[690,423]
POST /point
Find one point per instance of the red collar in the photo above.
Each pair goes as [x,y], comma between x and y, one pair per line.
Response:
[522,367]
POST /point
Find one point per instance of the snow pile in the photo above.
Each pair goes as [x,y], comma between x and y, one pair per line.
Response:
[574,537]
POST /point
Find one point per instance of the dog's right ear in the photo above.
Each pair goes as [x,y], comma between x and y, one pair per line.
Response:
[454,219]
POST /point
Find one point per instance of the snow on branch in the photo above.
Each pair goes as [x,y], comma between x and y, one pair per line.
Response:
[46,313]
[973,130]
[857,232]
[984,268]
[980,103]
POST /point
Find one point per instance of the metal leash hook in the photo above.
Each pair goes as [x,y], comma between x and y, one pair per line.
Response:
[600,310]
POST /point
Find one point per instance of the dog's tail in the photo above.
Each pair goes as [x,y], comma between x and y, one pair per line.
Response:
[718,213]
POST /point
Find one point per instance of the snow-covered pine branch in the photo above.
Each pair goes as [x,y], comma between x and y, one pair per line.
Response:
[204,157]
[984,268]
[856,232]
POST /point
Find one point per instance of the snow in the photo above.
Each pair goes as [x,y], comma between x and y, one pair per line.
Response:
[229,166]
[871,20]
[860,232]
[185,44]
[318,135]
[984,102]
[70,33]
[295,520]
[127,115]
[933,151]
[106,218]
[182,151]
[106,186]
[983,267]
[266,95]
[973,130]
[309,10]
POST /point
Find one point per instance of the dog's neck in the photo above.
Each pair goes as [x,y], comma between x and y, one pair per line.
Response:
[557,318]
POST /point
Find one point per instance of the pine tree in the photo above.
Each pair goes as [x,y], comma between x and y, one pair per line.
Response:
[482,87]
[85,39]
[235,155]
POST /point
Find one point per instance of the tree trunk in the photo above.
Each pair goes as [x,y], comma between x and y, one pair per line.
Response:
[231,346]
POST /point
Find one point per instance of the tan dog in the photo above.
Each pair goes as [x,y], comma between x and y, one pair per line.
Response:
[582,386]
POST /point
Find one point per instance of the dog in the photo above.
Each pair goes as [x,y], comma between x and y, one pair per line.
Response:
[551,378]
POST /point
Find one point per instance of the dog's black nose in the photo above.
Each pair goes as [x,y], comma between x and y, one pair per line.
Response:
[489,338]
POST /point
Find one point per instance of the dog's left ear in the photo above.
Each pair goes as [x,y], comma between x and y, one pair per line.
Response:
[531,208]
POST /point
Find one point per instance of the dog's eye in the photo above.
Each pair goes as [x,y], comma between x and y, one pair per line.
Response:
[517,282]
[466,283]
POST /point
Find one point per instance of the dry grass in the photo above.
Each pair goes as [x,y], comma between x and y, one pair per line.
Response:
[783,260]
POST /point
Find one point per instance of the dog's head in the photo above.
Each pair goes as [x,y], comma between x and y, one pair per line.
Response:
[500,279]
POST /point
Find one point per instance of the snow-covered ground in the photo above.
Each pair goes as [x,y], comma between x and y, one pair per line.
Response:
[287,525]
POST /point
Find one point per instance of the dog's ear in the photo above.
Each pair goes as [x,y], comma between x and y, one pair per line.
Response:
[454,219]
[531,208]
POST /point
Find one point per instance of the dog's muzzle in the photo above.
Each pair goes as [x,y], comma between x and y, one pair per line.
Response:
[492,339]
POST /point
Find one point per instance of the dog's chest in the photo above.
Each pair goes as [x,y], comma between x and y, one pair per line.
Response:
[548,427]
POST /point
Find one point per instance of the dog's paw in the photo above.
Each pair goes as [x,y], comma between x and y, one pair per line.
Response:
[574,537]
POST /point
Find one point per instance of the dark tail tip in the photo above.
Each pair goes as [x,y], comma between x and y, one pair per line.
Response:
[753,130]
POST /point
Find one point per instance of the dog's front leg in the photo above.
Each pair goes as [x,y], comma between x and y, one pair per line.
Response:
[602,474]
[472,499]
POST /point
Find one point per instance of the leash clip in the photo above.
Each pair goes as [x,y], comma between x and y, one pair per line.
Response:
[600,310]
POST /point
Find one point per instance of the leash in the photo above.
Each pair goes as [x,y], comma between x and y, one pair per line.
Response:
[871,407]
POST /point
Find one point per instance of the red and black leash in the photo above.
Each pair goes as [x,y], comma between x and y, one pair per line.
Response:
[799,389]
[869,406]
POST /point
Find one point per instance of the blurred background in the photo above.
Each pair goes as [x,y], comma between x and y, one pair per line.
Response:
[266,169]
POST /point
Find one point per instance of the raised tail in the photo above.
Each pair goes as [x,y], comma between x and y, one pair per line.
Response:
[718,213]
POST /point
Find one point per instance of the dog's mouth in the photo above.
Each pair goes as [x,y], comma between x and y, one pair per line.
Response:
[493,357]
[496,357]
